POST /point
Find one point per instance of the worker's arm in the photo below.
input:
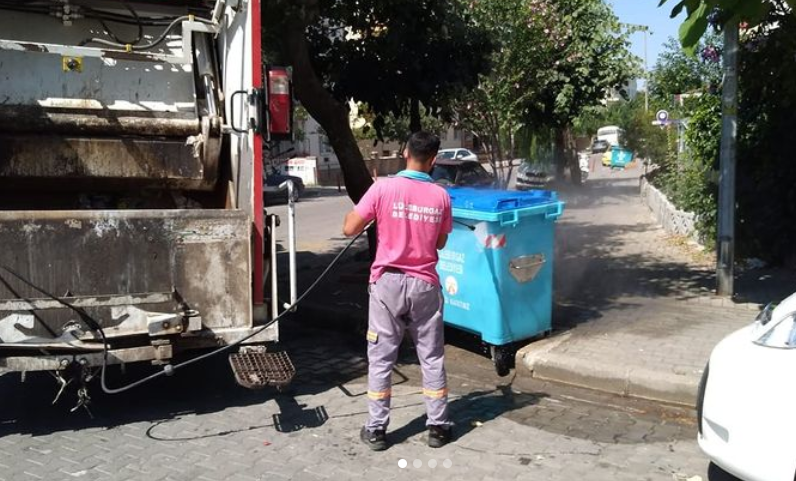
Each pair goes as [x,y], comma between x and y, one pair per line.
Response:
[363,212]
[447,225]
[354,224]
[442,240]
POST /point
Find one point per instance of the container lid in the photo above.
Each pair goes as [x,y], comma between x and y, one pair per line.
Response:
[493,201]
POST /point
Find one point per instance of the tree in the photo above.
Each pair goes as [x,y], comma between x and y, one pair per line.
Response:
[391,54]
[594,58]
[766,196]
[554,59]
[396,128]
[701,13]
[675,72]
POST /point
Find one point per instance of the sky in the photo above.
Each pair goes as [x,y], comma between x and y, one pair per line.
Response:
[646,12]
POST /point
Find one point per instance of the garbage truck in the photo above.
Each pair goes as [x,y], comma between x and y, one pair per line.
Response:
[132,226]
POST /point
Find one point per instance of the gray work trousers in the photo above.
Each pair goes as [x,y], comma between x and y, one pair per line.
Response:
[400,303]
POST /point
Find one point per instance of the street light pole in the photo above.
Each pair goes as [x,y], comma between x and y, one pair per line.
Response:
[645,30]
[725,265]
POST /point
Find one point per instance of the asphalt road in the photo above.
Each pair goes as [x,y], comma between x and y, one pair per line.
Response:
[319,220]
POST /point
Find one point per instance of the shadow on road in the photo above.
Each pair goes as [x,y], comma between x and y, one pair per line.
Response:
[322,362]
[715,473]
[468,412]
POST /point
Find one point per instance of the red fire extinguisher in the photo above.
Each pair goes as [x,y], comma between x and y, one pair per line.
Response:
[280,103]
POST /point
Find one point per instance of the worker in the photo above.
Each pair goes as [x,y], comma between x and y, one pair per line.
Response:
[413,220]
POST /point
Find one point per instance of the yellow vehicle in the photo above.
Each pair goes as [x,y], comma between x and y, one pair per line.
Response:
[606,159]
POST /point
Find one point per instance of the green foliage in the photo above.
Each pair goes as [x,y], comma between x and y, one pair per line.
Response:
[701,13]
[589,56]
[300,116]
[689,180]
[388,53]
[766,171]
[553,60]
[396,128]
[677,73]
[385,53]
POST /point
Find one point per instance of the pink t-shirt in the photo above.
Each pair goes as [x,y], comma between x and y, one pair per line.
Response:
[410,216]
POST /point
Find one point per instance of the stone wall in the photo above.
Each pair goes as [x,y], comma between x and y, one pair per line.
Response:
[673,220]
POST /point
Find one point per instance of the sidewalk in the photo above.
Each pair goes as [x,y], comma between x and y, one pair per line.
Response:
[634,313]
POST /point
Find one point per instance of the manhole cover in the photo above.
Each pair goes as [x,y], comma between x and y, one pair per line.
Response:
[258,369]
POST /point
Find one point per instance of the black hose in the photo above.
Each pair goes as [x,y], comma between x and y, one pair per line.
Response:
[148,46]
[138,22]
[169,369]
[471,227]
[91,13]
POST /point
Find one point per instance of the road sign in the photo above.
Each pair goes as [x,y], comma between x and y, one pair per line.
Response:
[662,116]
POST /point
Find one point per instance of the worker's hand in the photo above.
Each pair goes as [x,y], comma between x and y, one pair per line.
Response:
[354,224]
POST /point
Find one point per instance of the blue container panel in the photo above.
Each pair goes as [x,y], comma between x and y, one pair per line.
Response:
[486,200]
[620,157]
[482,296]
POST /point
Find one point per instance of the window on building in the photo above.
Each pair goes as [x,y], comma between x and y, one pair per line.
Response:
[325,146]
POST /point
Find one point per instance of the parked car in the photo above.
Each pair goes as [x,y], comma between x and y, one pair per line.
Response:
[456,154]
[746,398]
[272,191]
[533,176]
[461,173]
[599,146]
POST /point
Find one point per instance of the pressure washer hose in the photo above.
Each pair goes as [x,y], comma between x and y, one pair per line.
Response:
[169,369]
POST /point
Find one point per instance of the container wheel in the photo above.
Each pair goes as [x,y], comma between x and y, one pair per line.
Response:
[503,358]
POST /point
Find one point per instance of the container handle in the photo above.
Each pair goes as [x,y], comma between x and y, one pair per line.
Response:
[559,206]
[509,219]
[508,204]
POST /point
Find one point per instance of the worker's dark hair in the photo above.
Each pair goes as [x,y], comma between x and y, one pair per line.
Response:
[423,146]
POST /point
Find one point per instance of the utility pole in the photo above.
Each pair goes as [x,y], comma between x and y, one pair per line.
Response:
[645,31]
[725,266]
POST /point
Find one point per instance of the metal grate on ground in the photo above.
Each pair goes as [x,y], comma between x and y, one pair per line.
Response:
[257,369]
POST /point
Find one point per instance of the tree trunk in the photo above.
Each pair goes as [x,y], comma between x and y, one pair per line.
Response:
[330,113]
[415,124]
[565,155]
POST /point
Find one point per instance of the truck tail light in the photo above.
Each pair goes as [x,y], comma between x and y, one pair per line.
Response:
[280,103]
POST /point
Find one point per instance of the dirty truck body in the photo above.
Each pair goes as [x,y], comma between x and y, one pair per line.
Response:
[130,180]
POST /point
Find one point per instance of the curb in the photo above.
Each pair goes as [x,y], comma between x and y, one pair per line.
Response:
[541,362]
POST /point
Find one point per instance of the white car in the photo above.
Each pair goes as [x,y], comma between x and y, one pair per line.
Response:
[456,154]
[747,398]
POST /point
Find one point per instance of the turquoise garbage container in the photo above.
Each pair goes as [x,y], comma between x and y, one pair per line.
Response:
[620,157]
[497,267]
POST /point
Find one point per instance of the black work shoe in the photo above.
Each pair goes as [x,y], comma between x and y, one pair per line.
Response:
[439,436]
[376,440]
